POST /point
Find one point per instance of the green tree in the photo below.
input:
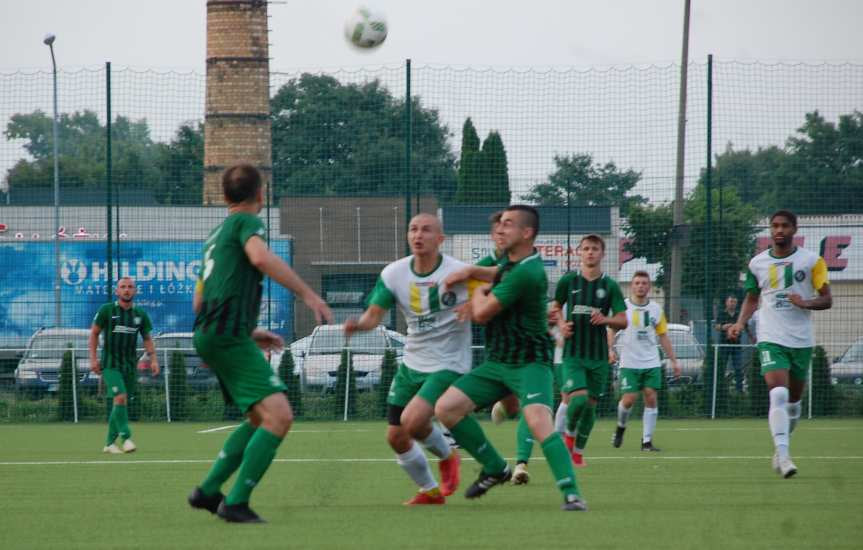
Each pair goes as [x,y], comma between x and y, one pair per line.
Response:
[468,165]
[173,170]
[331,138]
[389,365]
[576,177]
[178,387]
[732,242]
[818,171]
[493,170]
[65,403]
[292,381]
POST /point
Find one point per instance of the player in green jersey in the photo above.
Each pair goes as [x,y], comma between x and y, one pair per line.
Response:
[122,321]
[518,360]
[227,302]
[591,302]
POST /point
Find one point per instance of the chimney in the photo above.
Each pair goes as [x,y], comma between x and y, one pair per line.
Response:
[236,121]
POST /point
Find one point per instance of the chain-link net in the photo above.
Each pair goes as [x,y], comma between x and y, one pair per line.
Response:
[595,150]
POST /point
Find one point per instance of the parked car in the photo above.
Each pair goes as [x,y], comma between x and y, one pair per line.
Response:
[848,367]
[39,368]
[317,356]
[689,352]
[198,376]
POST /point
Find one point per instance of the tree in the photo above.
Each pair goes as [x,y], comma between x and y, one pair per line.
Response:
[483,174]
[819,171]
[585,183]
[468,164]
[292,382]
[732,241]
[173,170]
[331,138]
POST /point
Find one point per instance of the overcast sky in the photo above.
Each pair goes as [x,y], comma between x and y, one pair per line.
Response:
[171,33]
[628,117]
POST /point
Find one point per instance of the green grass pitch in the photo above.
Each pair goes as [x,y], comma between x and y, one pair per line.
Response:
[336,485]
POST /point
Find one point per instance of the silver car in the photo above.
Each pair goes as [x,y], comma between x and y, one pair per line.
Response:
[39,369]
[848,367]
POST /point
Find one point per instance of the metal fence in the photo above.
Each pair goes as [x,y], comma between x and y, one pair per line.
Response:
[357,151]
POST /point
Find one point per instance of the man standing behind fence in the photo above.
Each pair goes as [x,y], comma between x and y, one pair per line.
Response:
[122,322]
[791,282]
[437,352]
[227,302]
[729,350]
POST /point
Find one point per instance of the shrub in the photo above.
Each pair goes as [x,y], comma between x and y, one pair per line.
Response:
[177,386]
[388,372]
[66,406]
[292,381]
[346,381]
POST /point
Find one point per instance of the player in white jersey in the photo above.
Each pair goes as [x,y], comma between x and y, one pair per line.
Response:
[791,282]
[640,365]
[437,352]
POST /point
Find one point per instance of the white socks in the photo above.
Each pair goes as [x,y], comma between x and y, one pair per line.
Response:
[649,421]
[560,418]
[622,414]
[414,463]
[794,410]
[778,419]
[436,443]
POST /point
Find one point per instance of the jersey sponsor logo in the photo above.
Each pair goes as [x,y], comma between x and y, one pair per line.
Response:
[73,272]
[425,322]
[448,299]
[799,276]
[581,310]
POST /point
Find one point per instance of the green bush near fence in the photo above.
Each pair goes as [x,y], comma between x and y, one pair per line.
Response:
[177,387]
[388,372]
[346,380]
[65,405]
[823,391]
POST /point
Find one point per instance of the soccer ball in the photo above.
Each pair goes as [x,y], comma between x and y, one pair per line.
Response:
[366,28]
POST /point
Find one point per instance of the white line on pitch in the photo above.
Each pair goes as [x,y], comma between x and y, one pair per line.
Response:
[390,460]
[299,431]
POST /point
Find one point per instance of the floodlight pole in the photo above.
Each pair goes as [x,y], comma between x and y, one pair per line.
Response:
[49,41]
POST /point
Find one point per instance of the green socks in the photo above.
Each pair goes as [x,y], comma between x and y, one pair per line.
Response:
[523,441]
[469,435]
[561,464]
[112,426]
[257,457]
[585,425]
[229,459]
[120,414]
[574,410]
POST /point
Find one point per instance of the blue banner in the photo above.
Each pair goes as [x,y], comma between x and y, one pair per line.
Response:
[165,272]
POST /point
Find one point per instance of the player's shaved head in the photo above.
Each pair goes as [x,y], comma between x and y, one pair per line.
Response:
[424,218]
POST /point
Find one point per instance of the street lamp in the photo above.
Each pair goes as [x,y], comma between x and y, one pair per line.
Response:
[49,41]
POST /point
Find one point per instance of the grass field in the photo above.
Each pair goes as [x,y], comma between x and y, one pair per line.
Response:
[336,485]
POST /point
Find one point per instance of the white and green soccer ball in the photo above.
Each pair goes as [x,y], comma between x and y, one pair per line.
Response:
[366,28]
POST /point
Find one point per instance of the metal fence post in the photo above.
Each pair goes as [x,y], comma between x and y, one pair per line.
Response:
[74,387]
[167,385]
[347,383]
[715,380]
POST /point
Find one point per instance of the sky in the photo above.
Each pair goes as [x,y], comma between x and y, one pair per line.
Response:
[626,115]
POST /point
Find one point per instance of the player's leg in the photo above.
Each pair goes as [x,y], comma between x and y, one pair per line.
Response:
[651,382]
[597,378]
[505,408]
[118,420]
[574,391]
[523,449]
[774,367]
[801,358]
[124,430]
[479,387]
[536,389]
[561,413]
[629,387]
[417,420]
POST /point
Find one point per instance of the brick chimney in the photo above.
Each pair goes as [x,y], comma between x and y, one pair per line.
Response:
[236,122]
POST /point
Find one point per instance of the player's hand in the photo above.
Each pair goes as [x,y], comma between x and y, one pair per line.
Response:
[351,326]
[319,308]
[95,366]
[612,356]
[463,312]
[797,300]
[566,329]
[457,277]
[268,341]
[734,331]
[675,367]
[154,367]
[553,315]
[597,318]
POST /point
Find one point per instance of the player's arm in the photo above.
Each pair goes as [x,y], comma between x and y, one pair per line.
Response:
[484,305]
[618,308]
[150,346]
[198,297]
[371,317]
[665,344]
[824,300]
[93,344]
[277,269]
[611,335]
[481,273]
